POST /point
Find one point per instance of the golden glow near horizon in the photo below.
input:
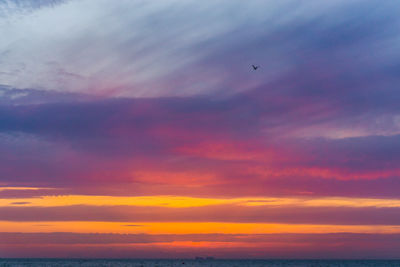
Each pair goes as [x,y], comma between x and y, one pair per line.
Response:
[189,228]
[172,227]
[183,202]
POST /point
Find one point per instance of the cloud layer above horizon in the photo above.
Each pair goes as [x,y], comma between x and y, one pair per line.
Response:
[138,104]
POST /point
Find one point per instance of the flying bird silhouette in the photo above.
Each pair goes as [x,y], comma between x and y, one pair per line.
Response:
[255,67]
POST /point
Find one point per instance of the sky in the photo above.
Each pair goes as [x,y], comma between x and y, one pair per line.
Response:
[138,128]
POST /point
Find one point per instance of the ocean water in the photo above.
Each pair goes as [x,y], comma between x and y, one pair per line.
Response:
[196,263]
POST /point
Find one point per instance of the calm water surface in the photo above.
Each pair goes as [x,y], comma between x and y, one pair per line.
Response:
[197,263]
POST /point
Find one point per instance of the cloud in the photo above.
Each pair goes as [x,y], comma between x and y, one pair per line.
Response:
[207,48]
[138,98]
[332,246]
[64,141]
[19,7]
[215,213]
[20,203]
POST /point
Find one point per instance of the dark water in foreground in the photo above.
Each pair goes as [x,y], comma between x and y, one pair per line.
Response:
[197,263]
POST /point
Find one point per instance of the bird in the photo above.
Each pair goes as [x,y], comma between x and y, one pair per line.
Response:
[255,67]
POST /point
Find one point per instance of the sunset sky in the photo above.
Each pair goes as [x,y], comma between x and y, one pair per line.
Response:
[138,128]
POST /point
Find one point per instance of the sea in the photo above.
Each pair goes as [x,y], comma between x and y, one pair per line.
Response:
[194,263]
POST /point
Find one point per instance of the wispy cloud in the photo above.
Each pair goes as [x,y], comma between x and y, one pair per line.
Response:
[153,99]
